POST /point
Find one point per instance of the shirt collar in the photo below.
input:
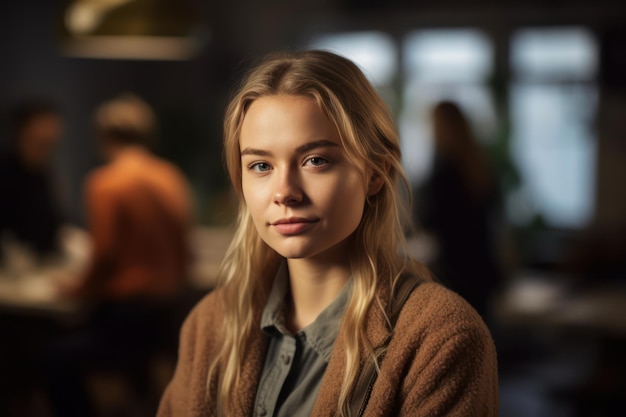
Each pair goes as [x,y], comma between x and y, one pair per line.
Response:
[273,312]
[319,335]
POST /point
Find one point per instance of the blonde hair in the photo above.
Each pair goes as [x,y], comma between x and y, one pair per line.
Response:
[378,254]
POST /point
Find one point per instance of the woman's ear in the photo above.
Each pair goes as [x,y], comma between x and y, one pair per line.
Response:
[375,184]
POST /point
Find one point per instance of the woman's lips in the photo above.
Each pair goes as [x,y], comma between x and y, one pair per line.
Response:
[293,226]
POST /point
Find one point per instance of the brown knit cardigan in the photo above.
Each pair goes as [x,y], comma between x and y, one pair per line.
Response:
[441,361]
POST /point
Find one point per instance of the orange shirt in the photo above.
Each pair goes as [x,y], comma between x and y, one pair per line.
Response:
[139,214]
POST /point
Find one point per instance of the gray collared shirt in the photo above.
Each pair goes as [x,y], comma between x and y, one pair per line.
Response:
[295,363]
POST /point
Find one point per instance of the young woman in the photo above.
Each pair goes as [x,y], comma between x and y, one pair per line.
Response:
[308,301]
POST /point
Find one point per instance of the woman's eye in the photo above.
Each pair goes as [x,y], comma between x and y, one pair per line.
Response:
[318,161]
[260,167]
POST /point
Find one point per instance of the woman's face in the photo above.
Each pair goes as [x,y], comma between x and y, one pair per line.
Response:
[304,195]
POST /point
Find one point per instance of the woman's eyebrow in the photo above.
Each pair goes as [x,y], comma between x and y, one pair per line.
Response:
[316,144]
[257,152]
[300,149]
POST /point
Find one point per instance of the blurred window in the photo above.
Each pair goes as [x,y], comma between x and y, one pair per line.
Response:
[374,52]
[443,64]
[553,101]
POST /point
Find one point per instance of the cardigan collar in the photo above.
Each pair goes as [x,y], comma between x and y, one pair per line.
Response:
[376,330]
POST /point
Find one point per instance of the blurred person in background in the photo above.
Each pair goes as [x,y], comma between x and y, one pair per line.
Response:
[138,209]
[30,215]
[455,206]
[139,213]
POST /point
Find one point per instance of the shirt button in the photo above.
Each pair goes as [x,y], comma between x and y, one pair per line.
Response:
[260,410]
[286,359]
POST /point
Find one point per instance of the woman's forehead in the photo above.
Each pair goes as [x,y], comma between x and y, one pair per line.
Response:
[282,119]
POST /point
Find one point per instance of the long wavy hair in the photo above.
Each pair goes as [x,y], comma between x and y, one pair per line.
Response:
[378,252]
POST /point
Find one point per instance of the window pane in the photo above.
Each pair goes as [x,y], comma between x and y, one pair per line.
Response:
[448,55]
[561,53]
[554,149]
[443,64]
[553,103]
[374,52]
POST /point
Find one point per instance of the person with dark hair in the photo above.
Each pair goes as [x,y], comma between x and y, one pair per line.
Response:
[29,211]
[455,205]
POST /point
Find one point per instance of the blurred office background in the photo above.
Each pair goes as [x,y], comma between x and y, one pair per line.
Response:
[543,83]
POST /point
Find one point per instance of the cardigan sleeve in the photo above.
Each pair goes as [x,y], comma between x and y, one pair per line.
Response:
[454,370]
[186,393]
[460,380]
[177,392]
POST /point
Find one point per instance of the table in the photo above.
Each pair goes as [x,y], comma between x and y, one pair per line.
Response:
[32,289]
[29,289]
[550,301]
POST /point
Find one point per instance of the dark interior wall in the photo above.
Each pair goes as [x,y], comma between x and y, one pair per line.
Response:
[189,96]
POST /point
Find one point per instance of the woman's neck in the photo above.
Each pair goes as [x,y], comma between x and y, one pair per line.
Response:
[313,288]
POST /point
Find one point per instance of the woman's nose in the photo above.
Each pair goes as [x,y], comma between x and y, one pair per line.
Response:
[287,190]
